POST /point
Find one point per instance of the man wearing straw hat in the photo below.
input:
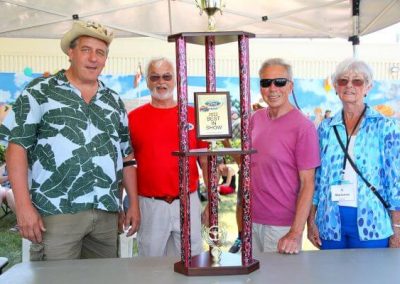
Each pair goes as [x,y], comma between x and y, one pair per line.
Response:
[69,153]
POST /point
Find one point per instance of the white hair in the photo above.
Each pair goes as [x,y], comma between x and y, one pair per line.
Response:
[158,60]
[279,62]
[353,65]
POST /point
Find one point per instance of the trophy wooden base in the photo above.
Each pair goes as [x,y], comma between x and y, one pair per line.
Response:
[202,265]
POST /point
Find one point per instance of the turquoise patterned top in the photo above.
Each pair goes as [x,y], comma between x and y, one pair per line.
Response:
[377,156]
[75,150]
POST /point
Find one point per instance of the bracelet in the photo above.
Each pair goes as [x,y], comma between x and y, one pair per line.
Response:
[129,163]
[396,225]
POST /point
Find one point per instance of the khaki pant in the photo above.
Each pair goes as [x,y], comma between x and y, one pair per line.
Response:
[87,234]
[160,231]
[266,237]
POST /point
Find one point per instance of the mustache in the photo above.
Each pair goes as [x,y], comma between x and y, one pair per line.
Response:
[274,94]
[162,86]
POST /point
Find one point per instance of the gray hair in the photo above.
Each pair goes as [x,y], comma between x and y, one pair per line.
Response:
[353,65]
[157,60]
[279,62]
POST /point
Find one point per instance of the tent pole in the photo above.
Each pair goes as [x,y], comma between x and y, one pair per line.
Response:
[355,39]
[170,17]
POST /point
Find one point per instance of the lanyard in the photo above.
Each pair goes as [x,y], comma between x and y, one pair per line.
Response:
[348,137]
[369,185]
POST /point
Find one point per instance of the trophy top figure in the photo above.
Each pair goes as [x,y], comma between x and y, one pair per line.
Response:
[210,7]
[215,237]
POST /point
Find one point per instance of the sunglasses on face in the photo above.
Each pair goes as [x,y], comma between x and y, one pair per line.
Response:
[278,82]
[355,82]
[156,78]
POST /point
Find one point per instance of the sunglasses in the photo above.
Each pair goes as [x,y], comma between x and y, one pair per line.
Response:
[354,82]
[278,82]
[156,78]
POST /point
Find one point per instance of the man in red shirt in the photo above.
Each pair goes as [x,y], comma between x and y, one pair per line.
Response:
[155,135]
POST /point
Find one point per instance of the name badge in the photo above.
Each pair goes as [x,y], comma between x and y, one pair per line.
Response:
[342,192]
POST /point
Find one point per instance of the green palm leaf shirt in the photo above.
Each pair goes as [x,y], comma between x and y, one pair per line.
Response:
[75,149]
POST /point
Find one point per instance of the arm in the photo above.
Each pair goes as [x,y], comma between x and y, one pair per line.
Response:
[394,241]
[129,179]
[231,172]
[29,220]
[392,177]
[312,230]
[204,168]
[291,242]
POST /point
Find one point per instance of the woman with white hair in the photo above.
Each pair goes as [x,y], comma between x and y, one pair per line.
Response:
[357,189]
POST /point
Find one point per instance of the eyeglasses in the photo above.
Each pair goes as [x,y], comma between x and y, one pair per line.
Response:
[355,82]
[278,82]
[156,78]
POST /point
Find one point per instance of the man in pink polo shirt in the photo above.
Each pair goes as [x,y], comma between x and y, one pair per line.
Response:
[282,170]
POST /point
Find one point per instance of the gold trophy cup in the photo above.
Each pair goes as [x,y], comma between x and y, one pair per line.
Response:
[210,7]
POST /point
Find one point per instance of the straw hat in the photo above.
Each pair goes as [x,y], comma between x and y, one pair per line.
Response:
[82,28]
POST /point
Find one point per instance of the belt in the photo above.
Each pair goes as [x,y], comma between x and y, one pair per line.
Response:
[168,199]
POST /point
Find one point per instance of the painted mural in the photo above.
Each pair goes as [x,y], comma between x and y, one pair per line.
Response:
[312,96]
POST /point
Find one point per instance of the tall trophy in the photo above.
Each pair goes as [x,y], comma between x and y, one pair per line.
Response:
[210,7]
[212,113]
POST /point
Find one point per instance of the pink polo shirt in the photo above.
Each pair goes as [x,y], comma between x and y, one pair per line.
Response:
[284,146]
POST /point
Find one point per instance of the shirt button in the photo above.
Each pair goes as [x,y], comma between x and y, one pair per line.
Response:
[94,148]
[95,180]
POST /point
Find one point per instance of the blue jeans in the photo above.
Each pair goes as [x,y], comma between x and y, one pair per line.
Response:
[349,233]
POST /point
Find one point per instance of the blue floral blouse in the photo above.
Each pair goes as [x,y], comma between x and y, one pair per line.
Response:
[377,156]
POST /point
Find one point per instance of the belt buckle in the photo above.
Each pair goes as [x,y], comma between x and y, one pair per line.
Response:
[169,199]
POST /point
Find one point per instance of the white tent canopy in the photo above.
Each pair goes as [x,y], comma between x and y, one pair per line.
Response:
[160,18]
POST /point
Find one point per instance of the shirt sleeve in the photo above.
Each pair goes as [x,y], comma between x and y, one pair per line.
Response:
[392,162]
[322,136]
[126,148]
[21,124]
[307,148]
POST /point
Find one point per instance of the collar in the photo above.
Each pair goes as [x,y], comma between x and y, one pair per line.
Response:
[369,113]
[62,79]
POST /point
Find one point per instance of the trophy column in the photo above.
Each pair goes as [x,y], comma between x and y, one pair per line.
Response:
[181,82]
[205,263]
[244,77]
[211,160]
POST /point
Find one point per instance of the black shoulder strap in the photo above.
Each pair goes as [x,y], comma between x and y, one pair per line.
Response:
[370,186]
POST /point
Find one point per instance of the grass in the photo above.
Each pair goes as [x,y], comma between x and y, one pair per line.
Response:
[10,242]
